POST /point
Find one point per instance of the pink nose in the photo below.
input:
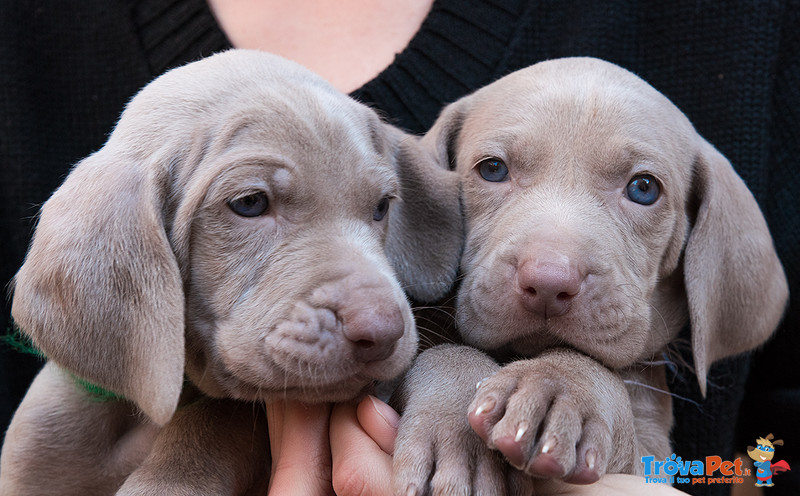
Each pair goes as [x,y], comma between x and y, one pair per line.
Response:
[374,332]
[548,285]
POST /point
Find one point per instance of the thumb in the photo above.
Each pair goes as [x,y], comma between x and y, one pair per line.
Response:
[379,421]
[362,439]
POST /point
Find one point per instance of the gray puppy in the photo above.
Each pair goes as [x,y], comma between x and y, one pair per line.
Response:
[598,224]
[239,237]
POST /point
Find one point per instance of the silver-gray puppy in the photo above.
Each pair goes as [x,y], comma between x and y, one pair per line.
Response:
[598,223]
[239,237]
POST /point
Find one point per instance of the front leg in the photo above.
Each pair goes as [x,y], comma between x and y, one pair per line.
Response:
[436,451]
[209,447]
[651,403]
[65,441]
[560,415]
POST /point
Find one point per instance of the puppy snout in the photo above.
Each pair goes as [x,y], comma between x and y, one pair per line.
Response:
[374,334]
[548,284]
[372,323]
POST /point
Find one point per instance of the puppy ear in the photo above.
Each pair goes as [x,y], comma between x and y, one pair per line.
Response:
[442,139]
[100,291]
[735,285]
[425,225]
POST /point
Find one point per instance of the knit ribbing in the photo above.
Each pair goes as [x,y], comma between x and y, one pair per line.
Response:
[176,31]
[441,63]
[444,60]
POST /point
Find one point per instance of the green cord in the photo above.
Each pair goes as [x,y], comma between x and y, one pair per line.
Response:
[18,341]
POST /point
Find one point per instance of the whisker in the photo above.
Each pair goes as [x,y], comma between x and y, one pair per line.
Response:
[657,363]
[667,392]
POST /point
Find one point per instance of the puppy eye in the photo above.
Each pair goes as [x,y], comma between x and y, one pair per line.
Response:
[381,209]
[493,170]
[251,205]
[643,189]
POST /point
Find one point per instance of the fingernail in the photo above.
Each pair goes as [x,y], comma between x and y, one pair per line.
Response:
[485,406]
[386,412]
[521,430]
[480,383]
[412,490]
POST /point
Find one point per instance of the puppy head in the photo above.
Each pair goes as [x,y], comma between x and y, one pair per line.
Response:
[234,228]
[588,202]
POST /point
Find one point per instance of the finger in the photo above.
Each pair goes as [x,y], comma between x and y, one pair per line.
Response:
[276,412]
[379,421]
[300,449]
[360,466]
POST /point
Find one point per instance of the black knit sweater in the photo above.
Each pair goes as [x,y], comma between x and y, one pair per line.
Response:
[68,68]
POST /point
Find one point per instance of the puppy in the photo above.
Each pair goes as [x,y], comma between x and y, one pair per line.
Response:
[598,223]
[234,239]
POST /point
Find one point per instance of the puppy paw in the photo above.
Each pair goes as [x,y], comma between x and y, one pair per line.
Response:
[561,415]
[445,457]
[436,450]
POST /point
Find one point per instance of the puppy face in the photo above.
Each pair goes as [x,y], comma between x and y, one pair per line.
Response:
[288,289]
[586,192]
[245,224]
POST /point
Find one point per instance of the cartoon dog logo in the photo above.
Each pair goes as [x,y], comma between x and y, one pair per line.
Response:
[762,456]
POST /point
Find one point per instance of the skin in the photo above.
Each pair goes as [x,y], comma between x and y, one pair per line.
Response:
[346,42]
[354,457]
[361,441]
[307,427]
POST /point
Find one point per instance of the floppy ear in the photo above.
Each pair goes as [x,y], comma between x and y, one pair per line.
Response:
[100,292]
[735,284]
[442,138]
[425,225]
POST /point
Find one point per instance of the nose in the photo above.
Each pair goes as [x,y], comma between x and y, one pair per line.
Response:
[373,330]
[548,283]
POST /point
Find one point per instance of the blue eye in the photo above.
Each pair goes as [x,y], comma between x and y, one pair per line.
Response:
[643,189]
[381,209]
[493,170]
[251,205]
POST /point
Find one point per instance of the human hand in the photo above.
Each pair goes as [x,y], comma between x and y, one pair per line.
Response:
[298,437]
[362,443]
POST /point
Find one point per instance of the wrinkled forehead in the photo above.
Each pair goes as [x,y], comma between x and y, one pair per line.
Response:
[324,140]
[577,107]
[306,121]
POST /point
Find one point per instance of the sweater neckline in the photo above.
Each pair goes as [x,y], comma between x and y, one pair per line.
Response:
[443,60]
[461,46]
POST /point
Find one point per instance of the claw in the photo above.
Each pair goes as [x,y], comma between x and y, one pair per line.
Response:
[548,445]
[590,459]
[521,430]
[486,406]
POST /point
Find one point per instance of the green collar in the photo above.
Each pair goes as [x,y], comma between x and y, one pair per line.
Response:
[15,339]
